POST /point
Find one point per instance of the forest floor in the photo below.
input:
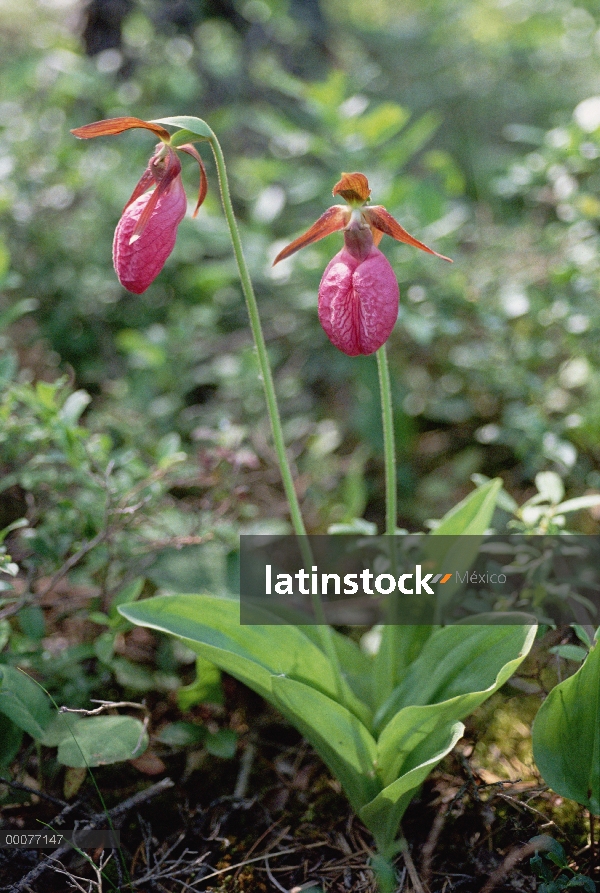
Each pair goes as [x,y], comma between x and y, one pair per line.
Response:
[271,818]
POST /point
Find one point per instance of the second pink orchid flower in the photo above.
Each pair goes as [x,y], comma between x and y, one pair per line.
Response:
[358,294]
[145,235]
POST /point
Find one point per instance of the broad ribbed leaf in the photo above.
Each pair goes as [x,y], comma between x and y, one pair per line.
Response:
[473,515]
[453,545]
[356,665]
[253,654]
[462,660]
[566,735]
[399,647]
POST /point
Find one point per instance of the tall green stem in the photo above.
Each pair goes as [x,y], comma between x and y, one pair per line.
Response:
[325,631]
[259,341]
[389,448]
[389,650]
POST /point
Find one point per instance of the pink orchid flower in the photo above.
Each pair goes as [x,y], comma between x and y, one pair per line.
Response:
[145,235]
[358,294]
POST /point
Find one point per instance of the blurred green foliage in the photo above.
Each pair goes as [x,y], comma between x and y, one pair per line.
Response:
[474,124]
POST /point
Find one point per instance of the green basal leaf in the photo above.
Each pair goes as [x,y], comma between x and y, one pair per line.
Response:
[355,663]
[24,702]
[100,740]
[566,735]
[473,515]
[399,647]
[384,813]
[194,127]
[404,743]
[253,654]
[455,542]
[462,660]
[451,671]
[339,738]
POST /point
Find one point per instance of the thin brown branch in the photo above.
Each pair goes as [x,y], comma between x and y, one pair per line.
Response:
[513,858]
[104,705]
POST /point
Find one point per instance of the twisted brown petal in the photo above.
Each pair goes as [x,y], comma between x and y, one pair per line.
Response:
[333,220]
[163,177]
[191,150]
[145,182]
[382,220]
[111,126]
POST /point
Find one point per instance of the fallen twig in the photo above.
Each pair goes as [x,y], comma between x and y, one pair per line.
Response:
[513,858]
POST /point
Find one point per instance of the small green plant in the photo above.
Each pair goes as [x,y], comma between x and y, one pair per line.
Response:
[81,741]
[381,722]
[545,862]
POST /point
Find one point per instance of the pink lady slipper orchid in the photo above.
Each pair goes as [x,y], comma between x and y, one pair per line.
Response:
[146,233]
[358,294]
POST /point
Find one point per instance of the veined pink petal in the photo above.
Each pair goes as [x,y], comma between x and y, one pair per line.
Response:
[358,302]
[138,262]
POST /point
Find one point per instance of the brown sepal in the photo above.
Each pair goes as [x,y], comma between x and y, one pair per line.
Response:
[111,126]
[383,221]
[353,188]
[333,220]
[191,150]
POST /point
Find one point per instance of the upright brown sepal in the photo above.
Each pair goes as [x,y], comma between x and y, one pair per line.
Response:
[383,221]
[118,125]
[353,188]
